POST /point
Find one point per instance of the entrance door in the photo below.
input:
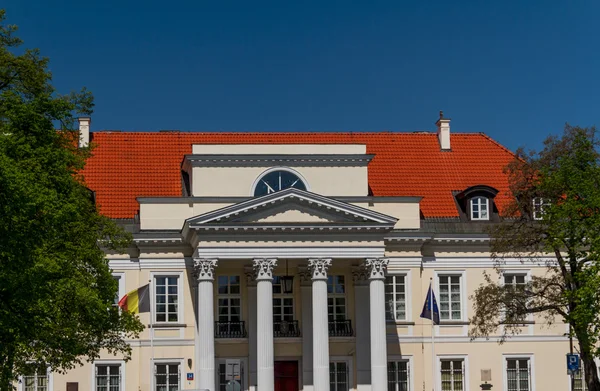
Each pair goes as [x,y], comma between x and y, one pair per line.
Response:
[286,375]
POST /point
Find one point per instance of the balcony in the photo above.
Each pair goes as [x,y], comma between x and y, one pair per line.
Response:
[230,329]
[286,329]
[340,328]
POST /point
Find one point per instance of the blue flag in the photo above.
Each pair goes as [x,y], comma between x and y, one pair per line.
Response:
[427,313]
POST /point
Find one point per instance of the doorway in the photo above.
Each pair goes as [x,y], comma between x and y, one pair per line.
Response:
[286,375]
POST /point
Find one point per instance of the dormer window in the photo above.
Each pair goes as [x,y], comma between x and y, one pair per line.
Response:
[480,207]
[538,208]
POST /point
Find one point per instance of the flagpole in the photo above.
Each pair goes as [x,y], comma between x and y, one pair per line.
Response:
[433,382]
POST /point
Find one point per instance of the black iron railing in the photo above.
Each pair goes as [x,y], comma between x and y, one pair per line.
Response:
[230,329]
[340,328]
[286,328]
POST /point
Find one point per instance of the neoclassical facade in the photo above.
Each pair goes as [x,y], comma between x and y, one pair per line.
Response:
[302,262]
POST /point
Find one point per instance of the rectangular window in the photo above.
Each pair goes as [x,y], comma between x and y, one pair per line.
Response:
[108,377]
[538,208]
[118,293]
[579,380]
[450,297]
[167,299]
[224,374]
[517,374]
[398,375]
[167,377]
[283,303]
[35,379]
[229,299]
[338,376]
[395,297]
[336,298]
[480,208]
[453,374]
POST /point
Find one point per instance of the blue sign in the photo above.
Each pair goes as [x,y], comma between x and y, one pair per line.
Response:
[573,363]
[190,376]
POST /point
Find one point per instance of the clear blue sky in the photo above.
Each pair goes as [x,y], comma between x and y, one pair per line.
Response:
[516,70]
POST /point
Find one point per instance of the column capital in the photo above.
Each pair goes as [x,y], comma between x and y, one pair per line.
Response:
[305,276]
[318,268]
[250,276]
[376,268]
[204,269]
[263,268]
[360,275]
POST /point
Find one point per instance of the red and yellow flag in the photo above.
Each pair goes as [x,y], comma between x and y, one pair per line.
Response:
[136,301]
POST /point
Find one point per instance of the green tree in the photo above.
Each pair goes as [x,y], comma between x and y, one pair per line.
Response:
[562,234]
[56,289]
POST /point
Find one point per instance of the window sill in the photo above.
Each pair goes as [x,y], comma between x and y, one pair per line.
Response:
[167,325]
[400,323]
[522,323]
[453,323]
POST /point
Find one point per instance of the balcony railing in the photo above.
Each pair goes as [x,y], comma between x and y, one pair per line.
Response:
[230,329]
[285,328]
[340,328]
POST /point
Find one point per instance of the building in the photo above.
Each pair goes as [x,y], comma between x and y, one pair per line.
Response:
[296,261]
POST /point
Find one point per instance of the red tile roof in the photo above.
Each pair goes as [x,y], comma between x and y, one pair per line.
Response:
[130,165]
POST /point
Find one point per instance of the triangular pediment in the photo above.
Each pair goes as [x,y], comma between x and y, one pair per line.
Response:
[292,207]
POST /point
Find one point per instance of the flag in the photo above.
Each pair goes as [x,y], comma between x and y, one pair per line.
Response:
[426,313]
[137,300]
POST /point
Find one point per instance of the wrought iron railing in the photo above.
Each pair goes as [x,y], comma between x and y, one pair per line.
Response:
[230,329]
[340,328]
[286,328]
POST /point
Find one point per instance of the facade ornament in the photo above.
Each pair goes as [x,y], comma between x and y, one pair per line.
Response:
[376,268]
[305,276]
[250,276]
[263,268]
[204,269]
[360,274]
[319,267]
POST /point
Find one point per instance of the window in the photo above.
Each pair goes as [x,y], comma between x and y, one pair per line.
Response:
[338,376]
[479,208]
[167,377]
[108,377]
[450,297]
[119,278]
[227,369]
[515,280]
[398,375]
[35,379]
[283,303]
[538,208]
[336,298]
[229,299]
[452,374]
[579,380]
[167,307]
[517,374]
[277,180]
[395,298]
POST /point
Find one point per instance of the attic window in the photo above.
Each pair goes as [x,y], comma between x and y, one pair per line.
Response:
[480,207]
[538,208]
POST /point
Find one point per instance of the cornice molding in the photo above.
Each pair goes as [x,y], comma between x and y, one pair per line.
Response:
[268,160]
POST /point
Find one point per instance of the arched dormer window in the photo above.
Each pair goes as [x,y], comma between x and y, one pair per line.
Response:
[477,203]
[277,179]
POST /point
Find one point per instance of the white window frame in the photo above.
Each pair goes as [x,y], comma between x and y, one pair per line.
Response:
[49,376]
[279,168]
[464,358]
[180,296]
[338,295]
[228,296]
[108,362]
[521,272]
[409,360]
[463,293]
[535,214]
[487,208]
[348,361]
[166,361]
[596,360]
[407,290]
[530,357]
[245,371]
[121,281]
[283,296]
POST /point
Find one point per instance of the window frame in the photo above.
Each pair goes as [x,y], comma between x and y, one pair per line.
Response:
[517,272]
[453,357]
[409,360]
[537,214]
[180,297]
[121,363]
[244,368]
[407,289]
[49,381]
[120,277]
[487,208]
[277,168]
[283,296]
[337,295]
[349,368]
[166,361]
[228,296]
[463,294]
[528,356]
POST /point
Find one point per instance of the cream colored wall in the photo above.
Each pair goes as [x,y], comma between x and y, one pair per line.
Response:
[279,149]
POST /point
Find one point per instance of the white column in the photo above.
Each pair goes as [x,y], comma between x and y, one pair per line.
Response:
[376,269]
[205,354]
[318,268]
[251,284]
[307,330]
[361,328]
[264,323]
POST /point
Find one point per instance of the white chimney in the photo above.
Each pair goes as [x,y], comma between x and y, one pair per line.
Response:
[84,131]
[443,132]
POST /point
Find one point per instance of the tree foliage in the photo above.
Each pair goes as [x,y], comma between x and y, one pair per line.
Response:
[563,235]
[56,289]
